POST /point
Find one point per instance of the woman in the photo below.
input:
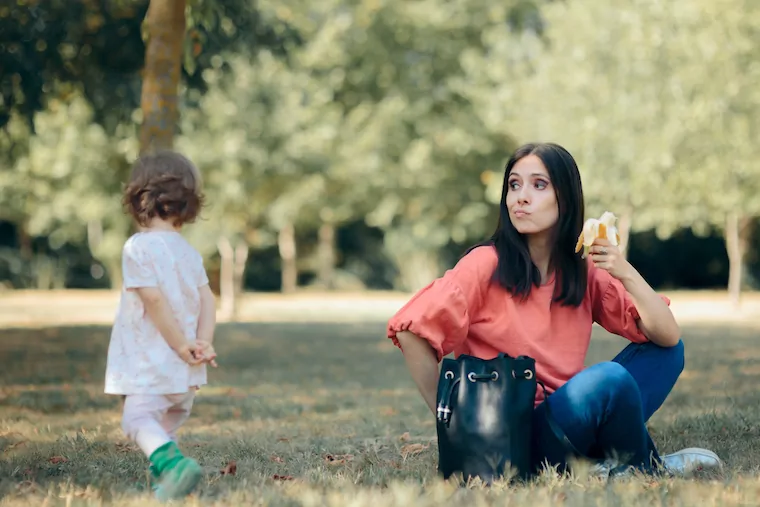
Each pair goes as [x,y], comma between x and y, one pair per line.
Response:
[526,292]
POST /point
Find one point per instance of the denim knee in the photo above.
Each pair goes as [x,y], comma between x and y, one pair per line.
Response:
[668,360]
[613,379]
[600,381]
[678,357]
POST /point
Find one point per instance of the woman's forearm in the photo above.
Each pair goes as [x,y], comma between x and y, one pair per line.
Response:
[423,365]
[656,319]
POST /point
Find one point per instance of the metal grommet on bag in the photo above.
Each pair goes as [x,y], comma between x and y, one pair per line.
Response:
[528,374]
[471,377]
[495,376]
[448,374]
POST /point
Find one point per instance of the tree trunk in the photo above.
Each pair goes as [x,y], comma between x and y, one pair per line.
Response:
[241,256]
[417,269]
[231,275]
[286,241]
[737,240]
[326,255]
[165,24]
[113,266]
[624,229]
[24,241]
[226,278]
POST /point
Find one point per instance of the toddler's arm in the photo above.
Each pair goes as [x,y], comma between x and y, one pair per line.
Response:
[207,323]
[160,313]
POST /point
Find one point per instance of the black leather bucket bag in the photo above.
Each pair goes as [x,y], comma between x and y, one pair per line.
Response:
[484,416]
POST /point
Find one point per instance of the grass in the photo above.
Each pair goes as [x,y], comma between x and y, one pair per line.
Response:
[318,414]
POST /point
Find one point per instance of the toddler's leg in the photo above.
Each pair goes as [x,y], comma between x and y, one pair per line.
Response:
[142,422]
[178,413]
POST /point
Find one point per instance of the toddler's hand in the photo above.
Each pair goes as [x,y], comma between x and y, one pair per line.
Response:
[206,353]
[188,353]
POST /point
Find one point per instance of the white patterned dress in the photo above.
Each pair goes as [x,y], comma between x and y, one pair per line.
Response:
[139,359]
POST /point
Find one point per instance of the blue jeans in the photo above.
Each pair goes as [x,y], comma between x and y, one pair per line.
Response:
[603,409]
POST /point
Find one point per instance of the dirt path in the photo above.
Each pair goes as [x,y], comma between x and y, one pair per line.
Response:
[45,308]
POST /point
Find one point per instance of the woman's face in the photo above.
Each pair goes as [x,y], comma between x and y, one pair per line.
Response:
[531,198]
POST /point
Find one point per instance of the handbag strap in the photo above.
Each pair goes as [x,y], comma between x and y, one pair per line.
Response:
[558,432]
[443,411]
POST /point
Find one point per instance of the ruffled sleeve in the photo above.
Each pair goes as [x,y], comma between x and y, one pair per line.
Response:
[137,265]
[613,307]
[442,311]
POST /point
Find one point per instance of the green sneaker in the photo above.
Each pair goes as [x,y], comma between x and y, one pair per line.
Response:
[154,477]
[179,481]
[176,475]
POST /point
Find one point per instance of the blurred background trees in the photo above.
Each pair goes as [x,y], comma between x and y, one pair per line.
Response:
[360,144]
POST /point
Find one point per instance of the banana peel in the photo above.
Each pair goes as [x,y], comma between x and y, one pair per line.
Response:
[602,227]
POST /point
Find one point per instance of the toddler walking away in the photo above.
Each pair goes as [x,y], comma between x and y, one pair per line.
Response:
[162,337]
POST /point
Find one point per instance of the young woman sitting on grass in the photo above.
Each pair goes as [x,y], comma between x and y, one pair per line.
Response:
[526,292]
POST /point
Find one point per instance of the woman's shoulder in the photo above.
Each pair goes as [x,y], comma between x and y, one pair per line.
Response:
[480,261]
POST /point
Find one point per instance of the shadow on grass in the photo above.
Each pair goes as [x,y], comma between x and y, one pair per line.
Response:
[288,395]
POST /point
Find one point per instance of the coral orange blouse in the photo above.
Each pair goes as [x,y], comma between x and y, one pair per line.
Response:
[464,312]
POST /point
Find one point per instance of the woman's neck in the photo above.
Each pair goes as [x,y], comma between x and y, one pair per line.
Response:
[539,246]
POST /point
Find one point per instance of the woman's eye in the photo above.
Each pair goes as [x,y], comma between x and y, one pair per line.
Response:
[513,185]
[540,184]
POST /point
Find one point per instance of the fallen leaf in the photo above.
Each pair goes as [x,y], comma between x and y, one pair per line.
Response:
[14,445]
[412,449]
[26,486]
[338,459]
[125,447]
[230,468]
[283,439]
[278,477]
[276,459]
[55,460]
[405,437]
[395,465]
[8,434]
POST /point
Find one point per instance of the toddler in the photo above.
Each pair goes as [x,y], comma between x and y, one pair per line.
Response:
[162,337]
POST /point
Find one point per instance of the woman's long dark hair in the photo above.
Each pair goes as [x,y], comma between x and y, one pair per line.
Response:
[515,270]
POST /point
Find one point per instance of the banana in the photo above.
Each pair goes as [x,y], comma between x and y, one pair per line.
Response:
[603,227]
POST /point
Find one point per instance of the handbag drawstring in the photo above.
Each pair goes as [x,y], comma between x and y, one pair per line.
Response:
[443,411]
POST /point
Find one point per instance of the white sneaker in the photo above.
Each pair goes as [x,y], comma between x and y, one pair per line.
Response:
[686,462]
[602,470]
[610,469]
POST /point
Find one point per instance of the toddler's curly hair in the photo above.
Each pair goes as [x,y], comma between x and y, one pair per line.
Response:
[164,184]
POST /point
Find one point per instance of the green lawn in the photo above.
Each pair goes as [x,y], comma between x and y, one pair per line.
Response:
[326,414]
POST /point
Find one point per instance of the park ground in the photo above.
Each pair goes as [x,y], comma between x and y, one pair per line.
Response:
[312,406]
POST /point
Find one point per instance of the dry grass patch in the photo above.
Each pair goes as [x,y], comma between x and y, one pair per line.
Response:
[326,415]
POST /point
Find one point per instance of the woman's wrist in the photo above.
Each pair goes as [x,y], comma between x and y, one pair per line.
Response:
[630,276]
